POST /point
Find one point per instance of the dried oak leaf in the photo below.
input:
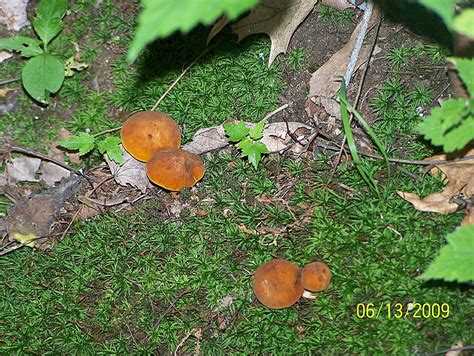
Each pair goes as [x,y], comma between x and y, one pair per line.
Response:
[460,178]
[23,169]
[278,19]
[131,171]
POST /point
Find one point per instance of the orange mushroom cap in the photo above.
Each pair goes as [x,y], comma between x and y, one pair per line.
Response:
[316,276]
[175,169]
[277,284]
[147,132]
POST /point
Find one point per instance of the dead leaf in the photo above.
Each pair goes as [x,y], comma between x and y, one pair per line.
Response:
[325,82]
[337,4]
[206,140]
[22,169]
[131,172]
[460,178]
[30,220]
[51,173]
[278,19]
[13,14]
[275,137]
[4,56]
[457,349]
[218,26]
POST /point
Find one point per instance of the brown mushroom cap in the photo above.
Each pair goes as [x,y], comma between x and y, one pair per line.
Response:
[147,132]
[277,284]
[175,169]
[316,276]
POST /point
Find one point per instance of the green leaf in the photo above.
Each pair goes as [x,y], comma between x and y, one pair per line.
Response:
[83,142]
[237,131]
[444,9]
[253,150]
[450,126]
[257,131]
[455,261]
[465,69]
[111,146]
[27,46]
[51,8]
[47,28]
[464,23]
[160,18]
[42,75]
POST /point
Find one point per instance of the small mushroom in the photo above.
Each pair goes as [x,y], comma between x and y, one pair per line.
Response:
[147,132]
[316,276]
[175,169]
[277,284]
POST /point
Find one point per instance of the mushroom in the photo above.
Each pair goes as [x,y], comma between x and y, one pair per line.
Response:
[277,284]
[316,276]
[147,132]
[175,169]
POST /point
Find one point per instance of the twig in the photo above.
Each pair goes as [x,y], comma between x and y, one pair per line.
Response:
[405,161]
[8,81]
[179,78]
[276,111]
[359,41]
[468,347]
[359,91]
[41,156]
[107,131]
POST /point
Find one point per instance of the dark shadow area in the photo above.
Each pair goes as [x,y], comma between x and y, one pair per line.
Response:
[418,19]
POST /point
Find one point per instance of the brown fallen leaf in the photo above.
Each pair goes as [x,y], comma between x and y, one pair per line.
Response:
[325,82]
[460,187]
[218,26]
[30,220]
[22,169]
[131,171]
[337,4]
[51,173]
[278,19]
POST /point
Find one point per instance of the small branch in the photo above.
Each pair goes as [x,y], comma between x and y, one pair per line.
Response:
[41,156]
[8,81]
[404,161]
[359,41]
[107,131]
[179,78]
[276,111]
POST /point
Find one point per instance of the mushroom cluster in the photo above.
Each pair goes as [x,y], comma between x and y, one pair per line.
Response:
[154,138]
[279,283]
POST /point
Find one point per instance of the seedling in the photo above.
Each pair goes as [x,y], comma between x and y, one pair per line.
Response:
[43,74]
[248,140]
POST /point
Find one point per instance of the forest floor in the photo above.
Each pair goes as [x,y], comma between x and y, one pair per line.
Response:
[173,272]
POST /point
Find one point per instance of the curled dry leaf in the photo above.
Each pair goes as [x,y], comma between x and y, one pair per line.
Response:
[278,19]
[131,171]
[460,187]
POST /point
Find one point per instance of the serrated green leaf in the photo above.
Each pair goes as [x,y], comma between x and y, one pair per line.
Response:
[237,131]
[443,8]
[455,261]
[464,23]
[253,150]
[42,75]
[28,47]
[465,69]
[450,125]
[257,131]
[51,8]
[110,145]
[47,28]
[160,18]
[83,142]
